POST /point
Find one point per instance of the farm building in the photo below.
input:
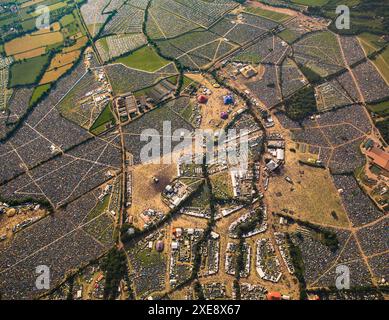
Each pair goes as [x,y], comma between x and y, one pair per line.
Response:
[379,157]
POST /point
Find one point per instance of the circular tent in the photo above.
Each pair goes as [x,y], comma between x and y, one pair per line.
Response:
[202,99]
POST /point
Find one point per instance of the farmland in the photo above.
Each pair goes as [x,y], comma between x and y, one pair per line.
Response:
[34,65]
[210,149]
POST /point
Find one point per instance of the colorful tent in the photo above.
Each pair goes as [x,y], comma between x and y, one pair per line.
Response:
[202,99]
[224,115]
[228,100]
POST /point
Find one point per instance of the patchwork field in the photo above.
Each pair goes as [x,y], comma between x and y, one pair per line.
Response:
[110,76]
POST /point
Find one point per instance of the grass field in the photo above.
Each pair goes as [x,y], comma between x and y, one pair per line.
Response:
[313,196]
[370,42]
[222,186]
[38,92]
[382,63]
[288,35]
[382,108]
[19,76]
[143,59]
[272,15]
[311,2]
[103,119]
[54,74]
[30,54]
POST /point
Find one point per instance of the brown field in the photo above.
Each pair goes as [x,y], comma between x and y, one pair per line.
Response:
[61,63]
[146,194]
[54,74]
[62,59]
[31,42]
[30,54]
[56,26]
[78,45]
[312,197]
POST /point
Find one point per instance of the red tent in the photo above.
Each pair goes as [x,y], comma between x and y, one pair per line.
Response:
[274,296]
[202,99]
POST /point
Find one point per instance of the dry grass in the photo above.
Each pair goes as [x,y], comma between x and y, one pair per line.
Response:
[146,194]
[312,197]
[30,3]
[31,42]
[62,59]
[30,54]
[54,74]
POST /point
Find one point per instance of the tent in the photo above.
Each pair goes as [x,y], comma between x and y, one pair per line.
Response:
[228,100]
[202,99]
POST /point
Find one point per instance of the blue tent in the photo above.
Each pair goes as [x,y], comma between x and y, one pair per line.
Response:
[228,100]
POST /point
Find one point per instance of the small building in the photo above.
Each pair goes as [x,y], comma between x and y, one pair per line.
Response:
[174,245]
[280,154]
[248,72]
[272,165]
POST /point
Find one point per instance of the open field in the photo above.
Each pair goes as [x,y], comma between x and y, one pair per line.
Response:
[30,54]
[370,42]
[145,59]
[312,197]
[272,15]
[146,193]
[38,92]
[18,75]
[381,109]
[31,42]
[102,120]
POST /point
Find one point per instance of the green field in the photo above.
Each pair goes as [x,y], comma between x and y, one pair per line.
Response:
[311,2]
[382,63]
[381,109]
[288,35]
[35,67]
[145,59]
[383,127]
[103,119]
[66,20]
[275,16]
[38,92]
[370,42]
